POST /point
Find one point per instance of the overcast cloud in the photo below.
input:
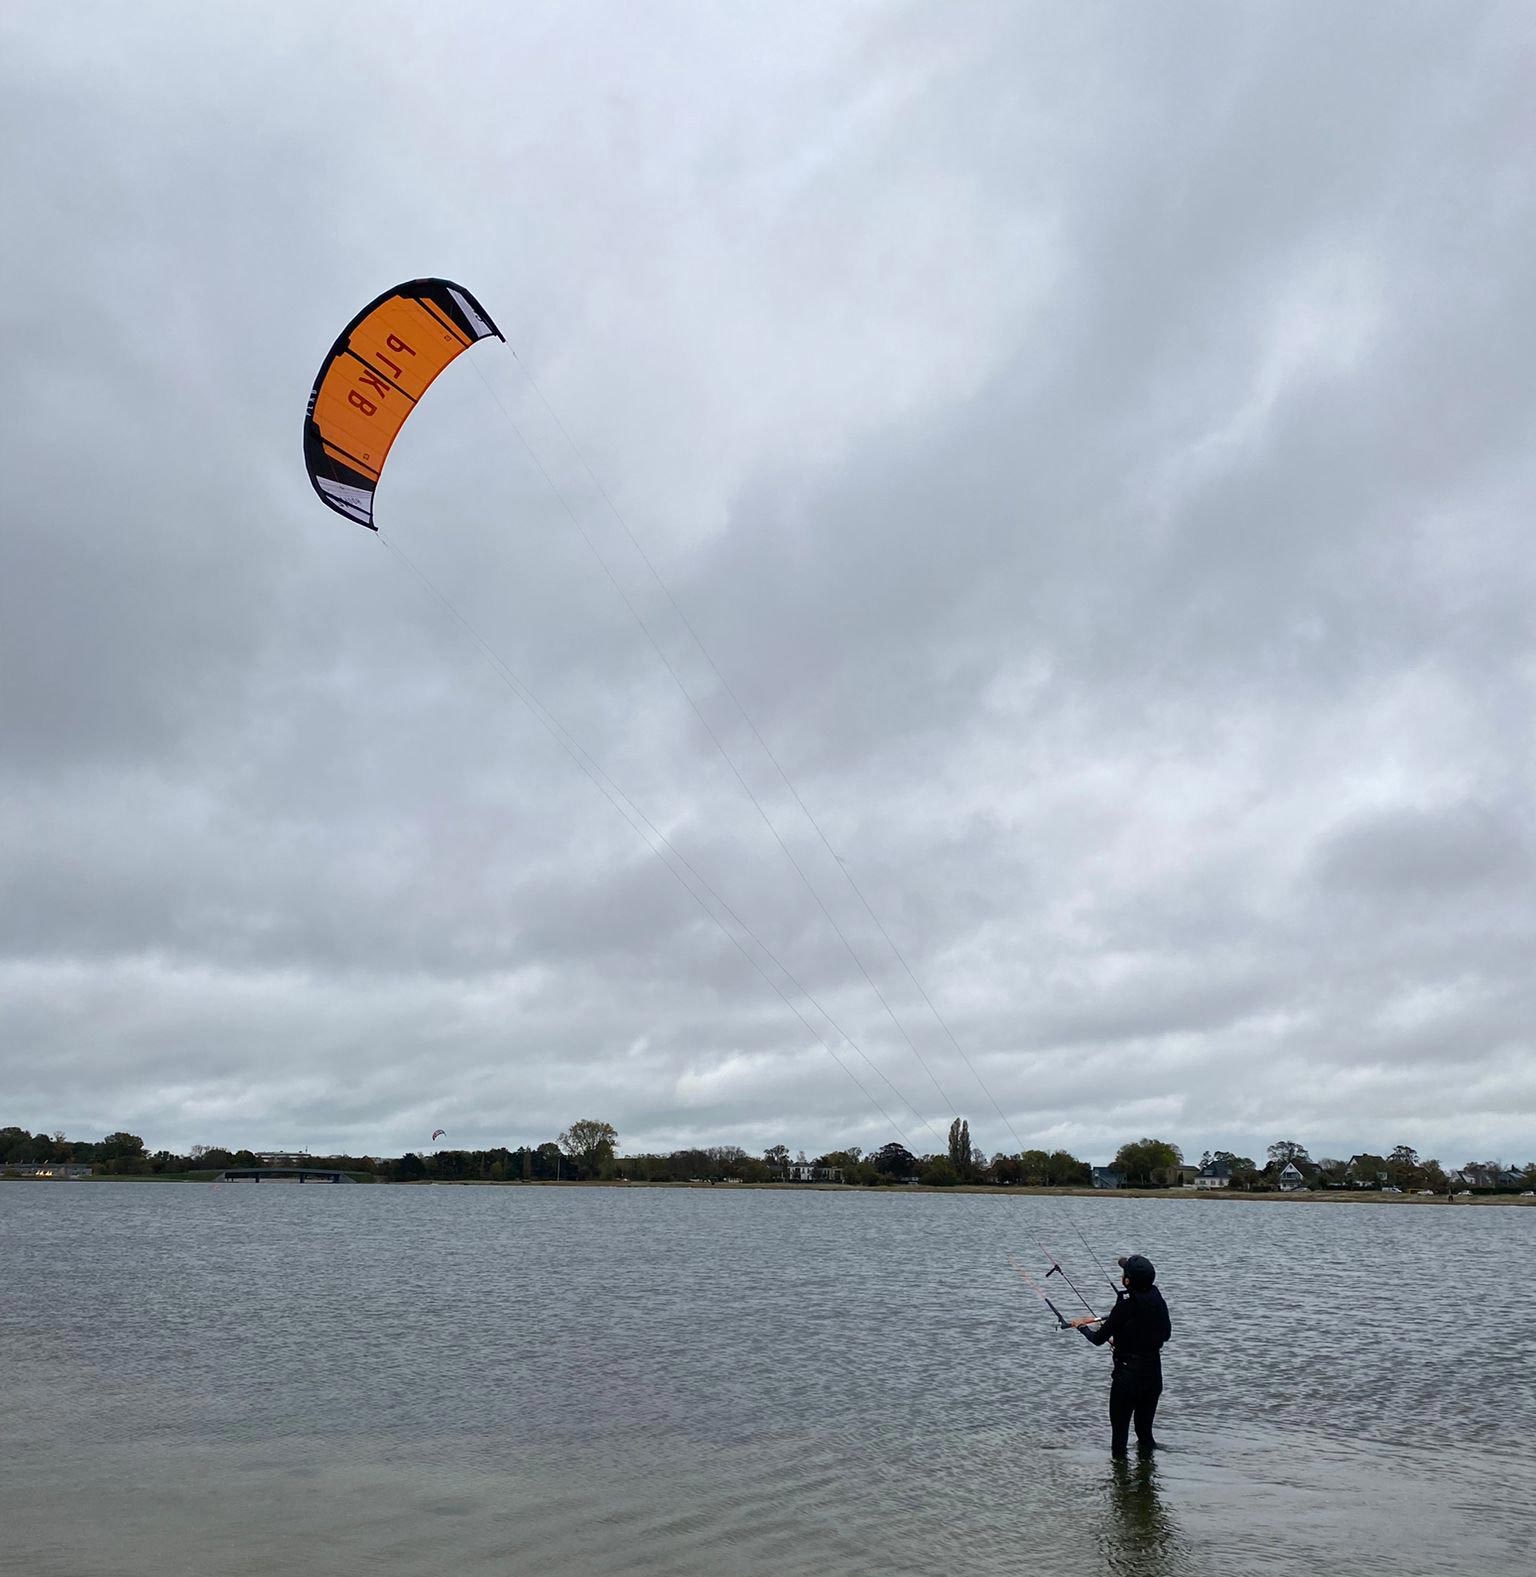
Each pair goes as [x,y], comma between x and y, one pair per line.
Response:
[1094,443]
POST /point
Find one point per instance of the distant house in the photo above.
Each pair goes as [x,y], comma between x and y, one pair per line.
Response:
[1104,1178]
[1214,1174]
[1187,1176]
[806,1172]
[1484,1175]
[1292,1178]
[282,1157]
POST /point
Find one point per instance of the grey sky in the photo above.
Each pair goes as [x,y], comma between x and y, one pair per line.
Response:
[1095,443]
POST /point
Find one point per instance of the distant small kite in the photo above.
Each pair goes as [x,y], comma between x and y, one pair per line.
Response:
[439,1133]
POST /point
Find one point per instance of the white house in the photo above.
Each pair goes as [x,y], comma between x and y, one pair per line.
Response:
[1291,1178]
[1214,1174]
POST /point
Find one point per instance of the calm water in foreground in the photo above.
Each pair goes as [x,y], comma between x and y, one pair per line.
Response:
[261,1380]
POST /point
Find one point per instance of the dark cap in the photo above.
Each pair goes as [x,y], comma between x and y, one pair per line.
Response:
[1139,1270]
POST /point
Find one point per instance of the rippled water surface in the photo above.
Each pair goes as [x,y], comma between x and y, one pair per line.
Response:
[257,1379]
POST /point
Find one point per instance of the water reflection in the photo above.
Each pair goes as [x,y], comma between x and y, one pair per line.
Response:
[1140,1535]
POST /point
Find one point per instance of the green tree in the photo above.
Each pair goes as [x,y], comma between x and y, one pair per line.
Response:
[1034,1168]
[728,1160]
[894,1160]
[960,1147]
[939,1172]
[1148,1163]
[1064,1170]
[691,1165]
[120,1147]
[1283,1151]
[1403,1168]
[589,1144]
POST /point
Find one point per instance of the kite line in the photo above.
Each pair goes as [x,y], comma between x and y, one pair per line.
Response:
[378,369]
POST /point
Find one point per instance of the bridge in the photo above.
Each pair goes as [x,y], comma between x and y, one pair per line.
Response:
[283,1174]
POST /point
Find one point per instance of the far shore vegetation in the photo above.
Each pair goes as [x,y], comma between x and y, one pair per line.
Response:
[588,1152]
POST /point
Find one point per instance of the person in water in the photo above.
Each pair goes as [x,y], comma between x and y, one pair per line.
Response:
[1138,1325]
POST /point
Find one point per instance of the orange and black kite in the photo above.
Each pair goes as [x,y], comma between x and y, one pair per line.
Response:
[380,366]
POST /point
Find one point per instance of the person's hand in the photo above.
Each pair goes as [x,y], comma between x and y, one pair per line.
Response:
[1082,1320]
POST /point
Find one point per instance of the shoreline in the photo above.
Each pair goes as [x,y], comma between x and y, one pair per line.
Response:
[1299,1196]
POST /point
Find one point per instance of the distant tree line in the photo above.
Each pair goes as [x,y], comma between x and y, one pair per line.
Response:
[1401,1168]
[118,1153]
[588,1151]
[1154,1163]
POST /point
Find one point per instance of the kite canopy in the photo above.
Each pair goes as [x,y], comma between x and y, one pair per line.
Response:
[380,366]
[439,1133]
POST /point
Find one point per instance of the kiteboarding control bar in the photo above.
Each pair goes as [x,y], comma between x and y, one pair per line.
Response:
[1062,1322]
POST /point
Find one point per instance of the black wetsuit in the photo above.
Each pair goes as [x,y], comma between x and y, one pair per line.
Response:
[1139,1325]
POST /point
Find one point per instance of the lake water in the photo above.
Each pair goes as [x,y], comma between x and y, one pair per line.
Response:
[259,1380]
